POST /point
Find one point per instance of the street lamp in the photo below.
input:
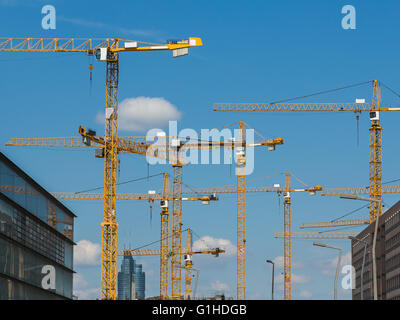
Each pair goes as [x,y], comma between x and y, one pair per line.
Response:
[374,274]
[319,244]
[273,270]
[363,263]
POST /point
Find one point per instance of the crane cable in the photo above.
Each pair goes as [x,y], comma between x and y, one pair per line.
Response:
[323,92]
[157,241]
[124,182]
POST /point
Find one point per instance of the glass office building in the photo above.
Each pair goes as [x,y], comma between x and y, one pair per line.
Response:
[36,233]
[131,280]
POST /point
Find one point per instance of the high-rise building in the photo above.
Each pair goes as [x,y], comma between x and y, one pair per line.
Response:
[131,280]
[387,257]
[36,239]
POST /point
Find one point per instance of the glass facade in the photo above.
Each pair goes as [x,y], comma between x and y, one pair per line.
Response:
[139,278]
[35,231]
[131,280]
[17,187]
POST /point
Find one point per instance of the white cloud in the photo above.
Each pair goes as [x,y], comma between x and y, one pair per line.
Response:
[208,242]
[219,286]
[305,294]
[87,253]
[144,113]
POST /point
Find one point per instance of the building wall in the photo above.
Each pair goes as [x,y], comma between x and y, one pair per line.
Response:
[29,239]
[387,256]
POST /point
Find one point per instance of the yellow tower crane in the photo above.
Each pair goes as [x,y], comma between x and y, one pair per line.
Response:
[241,210]
[287,248]
[106,50]
[375,136]
[161,147]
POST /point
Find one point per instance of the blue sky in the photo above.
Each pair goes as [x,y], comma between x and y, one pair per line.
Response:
[254,51]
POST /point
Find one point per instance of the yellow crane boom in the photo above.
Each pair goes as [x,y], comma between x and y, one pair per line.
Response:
[357,190]
[92,46]
[157,252]
[317,235]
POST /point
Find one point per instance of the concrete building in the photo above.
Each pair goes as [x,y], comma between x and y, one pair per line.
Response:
[36,239]
[387,256]
[131,280]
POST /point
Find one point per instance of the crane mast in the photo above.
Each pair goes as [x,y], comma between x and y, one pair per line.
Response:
[176,231]
[109,224]
[375,156]
[241,216]
[287,241]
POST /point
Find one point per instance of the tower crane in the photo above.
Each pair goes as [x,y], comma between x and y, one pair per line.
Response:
[375,131]
[106,50]
[288,233]
[166,148]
